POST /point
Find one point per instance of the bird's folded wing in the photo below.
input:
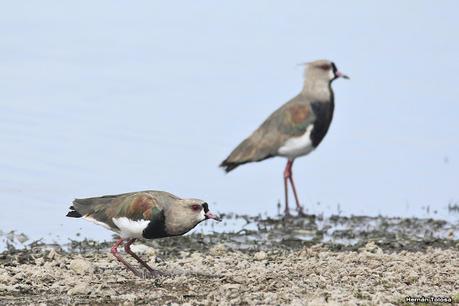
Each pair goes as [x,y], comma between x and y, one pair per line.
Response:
[291,120]
[134,206]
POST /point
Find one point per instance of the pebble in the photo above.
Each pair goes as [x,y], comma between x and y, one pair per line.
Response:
[260,255]
[79,289]
[142,249]
[53,254]
[81,266]
[312,276]
[218,249]
[371,247]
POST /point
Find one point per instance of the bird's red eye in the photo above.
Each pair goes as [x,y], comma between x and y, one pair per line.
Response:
[196,207]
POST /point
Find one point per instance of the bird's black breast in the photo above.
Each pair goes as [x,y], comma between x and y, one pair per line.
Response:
[323,112]
[157,227]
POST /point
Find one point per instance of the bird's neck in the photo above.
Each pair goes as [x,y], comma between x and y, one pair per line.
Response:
[319,90]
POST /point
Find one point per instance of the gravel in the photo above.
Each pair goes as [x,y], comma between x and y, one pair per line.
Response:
[221,276]
[273,265]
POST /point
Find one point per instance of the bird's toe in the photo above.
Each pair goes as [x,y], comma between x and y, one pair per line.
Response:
[301,212]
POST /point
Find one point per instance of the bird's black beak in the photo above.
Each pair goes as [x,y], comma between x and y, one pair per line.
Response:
[339,74]
[210,215]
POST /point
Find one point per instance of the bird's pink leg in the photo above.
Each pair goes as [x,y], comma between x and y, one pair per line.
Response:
[121,259]
[127,248]
[287,174]
[299,208]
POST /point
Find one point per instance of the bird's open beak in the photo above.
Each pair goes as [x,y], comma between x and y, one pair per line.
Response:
[339,74]
[210,215]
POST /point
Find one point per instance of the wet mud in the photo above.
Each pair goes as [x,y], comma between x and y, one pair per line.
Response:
[313,260]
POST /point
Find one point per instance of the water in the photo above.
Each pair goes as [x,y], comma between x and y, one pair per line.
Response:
[121,98]
[247,232]
[54,153]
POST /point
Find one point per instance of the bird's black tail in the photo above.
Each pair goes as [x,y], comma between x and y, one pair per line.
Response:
[73,213]
[228,166]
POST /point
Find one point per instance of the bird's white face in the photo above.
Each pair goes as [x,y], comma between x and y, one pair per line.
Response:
[187,215]
[324,70]
[202,212]
[197,211]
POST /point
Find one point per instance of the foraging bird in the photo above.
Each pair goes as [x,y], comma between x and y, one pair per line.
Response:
[296,128]
[145,214]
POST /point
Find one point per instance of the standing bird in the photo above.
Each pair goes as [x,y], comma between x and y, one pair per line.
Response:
[296,128]
[145,214]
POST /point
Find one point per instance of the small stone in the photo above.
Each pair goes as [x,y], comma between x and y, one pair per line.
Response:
[79,289]
[371,247]
[7,288]
[230,287]
[22,238]
[81,266]
[39,261]
[127,297]
[218,249]
[196,257]
[260,255]
[239,279]
[52,255]
[184,254]
[412,277]
[143,249]
[4,278]
[456,297]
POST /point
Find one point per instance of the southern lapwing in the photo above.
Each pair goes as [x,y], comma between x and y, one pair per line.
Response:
[144,214]
[296,128]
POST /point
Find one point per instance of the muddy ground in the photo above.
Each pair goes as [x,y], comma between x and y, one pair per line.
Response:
[300,261]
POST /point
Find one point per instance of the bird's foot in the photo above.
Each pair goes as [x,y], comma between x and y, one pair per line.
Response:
[137,273]
[301,212]
[287,214]
[156,273]
[153,274]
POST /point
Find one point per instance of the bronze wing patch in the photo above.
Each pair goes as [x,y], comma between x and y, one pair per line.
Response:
[296,119]
[137,206]
[298,113]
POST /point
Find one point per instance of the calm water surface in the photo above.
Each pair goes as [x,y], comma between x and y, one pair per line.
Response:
[120,98]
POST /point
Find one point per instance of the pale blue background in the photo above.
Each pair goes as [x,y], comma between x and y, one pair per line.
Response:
[101,97]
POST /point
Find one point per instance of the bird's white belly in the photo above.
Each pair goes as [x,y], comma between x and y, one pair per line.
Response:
[90,219]
[297,146]
[130,228]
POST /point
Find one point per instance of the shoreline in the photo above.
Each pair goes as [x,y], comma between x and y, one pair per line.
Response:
[385,261]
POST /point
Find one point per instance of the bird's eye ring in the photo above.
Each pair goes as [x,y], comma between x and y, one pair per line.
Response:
[196,207]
